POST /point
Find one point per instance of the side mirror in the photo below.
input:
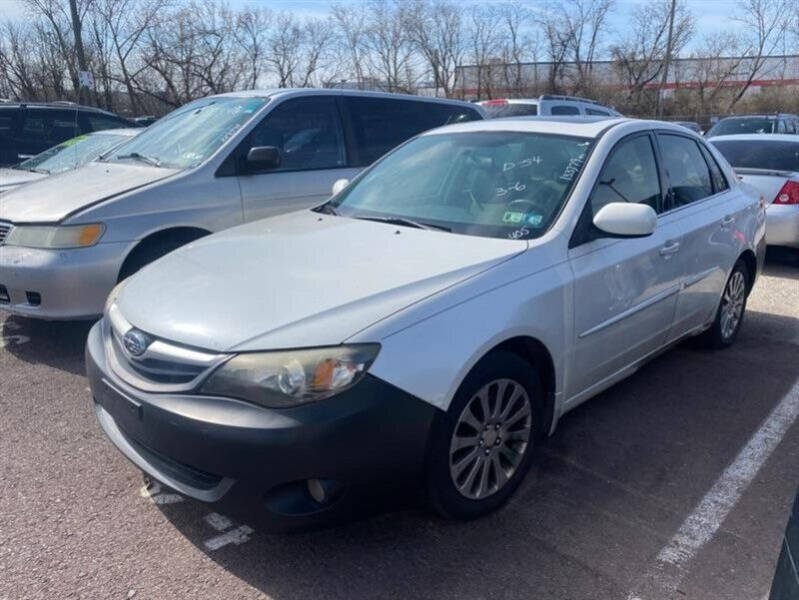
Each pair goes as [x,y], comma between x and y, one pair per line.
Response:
[626,219]
[262,158]
[339,185]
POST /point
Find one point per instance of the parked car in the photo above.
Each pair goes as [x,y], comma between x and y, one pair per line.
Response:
[209,165]
[771,165]
[779,123]
[433,320]
[546,105]
[28,128]
[65,156]
[692,125]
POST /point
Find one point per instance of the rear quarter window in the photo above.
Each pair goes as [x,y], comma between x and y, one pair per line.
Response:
[564,109]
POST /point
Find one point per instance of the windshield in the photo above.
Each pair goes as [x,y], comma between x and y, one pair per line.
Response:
[497,111]
[73,153]
[488,183]
[760,154]
[187,136]
[749,125]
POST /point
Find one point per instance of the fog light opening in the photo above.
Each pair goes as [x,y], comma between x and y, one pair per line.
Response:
[34,298]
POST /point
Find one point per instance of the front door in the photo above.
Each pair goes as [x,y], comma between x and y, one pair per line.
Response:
[309,135]
[625,290]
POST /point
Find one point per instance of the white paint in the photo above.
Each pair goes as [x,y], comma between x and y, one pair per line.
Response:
[217,521]
[154,494]
[708,516]
[236,536]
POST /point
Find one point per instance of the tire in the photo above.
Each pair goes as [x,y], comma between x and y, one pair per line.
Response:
[154,248]
[458,487]
[722,333]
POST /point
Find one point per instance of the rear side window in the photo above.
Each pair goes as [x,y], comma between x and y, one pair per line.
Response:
[688,173]
[496,111]
[381,124]
[719,180]
[308,133]
[49,127]
[629,175]
[596,112]
[760,154]
[564,109]
[6,124]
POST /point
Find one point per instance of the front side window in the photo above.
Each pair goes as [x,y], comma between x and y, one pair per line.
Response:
[565,109]
[381,124]
[495,184]
[187,136]
[629,175]
[98,122]
[760,154]
[688,173]
[72,153]
[307,131]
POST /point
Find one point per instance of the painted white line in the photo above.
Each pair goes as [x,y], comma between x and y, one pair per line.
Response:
[153,494]
[236,536]
[218,522]
[708,516]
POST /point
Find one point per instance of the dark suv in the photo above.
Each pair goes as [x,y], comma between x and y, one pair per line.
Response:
[779,123]
[29,128]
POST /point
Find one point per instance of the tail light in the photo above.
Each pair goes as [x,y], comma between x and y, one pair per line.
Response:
[496,102]
[789,194]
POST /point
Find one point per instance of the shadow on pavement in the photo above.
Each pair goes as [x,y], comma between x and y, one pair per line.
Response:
[56,344]
[782,262]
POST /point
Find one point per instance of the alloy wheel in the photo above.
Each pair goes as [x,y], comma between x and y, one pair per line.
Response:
[732,304]
[490,439]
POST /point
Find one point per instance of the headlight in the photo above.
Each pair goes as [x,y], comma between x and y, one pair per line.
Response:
[55,237]
[284,379]
[112,297]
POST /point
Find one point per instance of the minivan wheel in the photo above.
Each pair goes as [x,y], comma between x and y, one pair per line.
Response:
[732,307]
[482,447]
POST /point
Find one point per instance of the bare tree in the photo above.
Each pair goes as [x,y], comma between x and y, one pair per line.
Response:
[252,29]
[516,45]
[351,23]
[387,46]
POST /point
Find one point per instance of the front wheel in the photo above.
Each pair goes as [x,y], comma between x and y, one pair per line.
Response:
[730,313]
[482,447]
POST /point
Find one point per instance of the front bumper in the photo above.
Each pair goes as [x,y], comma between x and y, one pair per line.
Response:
[370,439]
[59,284]
[782,225]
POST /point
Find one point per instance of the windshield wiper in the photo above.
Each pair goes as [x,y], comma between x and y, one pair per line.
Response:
[140,157]
[404,222]
[32,170]
[326,209]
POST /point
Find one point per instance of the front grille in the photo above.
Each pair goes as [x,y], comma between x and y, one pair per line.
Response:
[162,367]
[5,227]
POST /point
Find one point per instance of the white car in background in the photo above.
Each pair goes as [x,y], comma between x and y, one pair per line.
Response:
[770,164]
[65,156]
[546,106]
[432,321]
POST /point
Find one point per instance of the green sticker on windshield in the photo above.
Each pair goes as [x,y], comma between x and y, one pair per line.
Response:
[513,217]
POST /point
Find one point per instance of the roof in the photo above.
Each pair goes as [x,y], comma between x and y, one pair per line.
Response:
[279,92]
[126,131]
[756,137]
[63,105]
[758,116]
[586,127]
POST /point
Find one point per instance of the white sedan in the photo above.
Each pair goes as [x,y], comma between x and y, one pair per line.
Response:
[433,320]
[770,164]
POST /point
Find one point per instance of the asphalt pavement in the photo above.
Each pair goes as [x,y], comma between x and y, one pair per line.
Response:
[676,483]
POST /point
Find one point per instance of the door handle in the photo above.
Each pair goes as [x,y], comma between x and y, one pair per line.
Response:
[727,221]
[671,247]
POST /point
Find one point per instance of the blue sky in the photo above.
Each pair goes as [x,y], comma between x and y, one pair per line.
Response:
[711,15]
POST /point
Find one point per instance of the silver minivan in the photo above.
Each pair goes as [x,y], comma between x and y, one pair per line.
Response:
[217,162]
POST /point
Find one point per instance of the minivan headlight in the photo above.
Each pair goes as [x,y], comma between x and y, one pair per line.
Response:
[55,237]
[285,379]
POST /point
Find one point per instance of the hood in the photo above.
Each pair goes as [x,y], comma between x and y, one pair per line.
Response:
[298,280]
[11,178]
[50,199]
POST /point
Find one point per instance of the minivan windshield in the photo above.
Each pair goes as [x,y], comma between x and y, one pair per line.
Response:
[760,154]
[488,183]
[187,136]
[73,153]
[735,125]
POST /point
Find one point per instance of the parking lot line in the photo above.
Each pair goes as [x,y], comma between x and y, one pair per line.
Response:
[707,517]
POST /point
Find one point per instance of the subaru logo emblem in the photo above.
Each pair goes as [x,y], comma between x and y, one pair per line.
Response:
[135,342]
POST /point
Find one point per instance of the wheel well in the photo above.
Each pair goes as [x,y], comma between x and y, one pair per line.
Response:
[751,265]
[536,354]
[177,236]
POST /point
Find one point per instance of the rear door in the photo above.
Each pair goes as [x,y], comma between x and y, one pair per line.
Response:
[9,123]
[309,134]
[699,199]
[625,290]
